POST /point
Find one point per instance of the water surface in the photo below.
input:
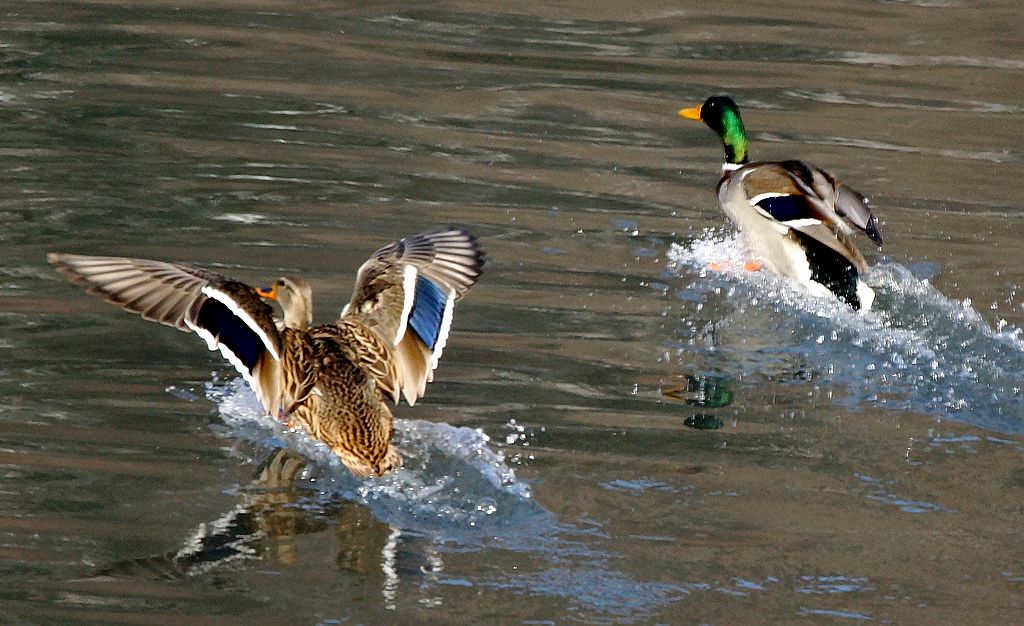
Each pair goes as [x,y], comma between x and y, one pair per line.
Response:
[616,434]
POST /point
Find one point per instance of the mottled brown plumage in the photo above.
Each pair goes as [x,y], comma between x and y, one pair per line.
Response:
[334,379]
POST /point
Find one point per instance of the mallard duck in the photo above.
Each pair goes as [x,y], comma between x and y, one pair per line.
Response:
[797,219]
[333,379]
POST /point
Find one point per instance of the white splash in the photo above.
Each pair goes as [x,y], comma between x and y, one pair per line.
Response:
[916,349]
[451,477]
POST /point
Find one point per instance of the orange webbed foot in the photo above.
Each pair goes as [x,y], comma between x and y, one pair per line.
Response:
[715,266]
[285,417]
[752,266]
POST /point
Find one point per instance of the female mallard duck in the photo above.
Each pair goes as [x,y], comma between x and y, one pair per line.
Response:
[332,379]
[796,218]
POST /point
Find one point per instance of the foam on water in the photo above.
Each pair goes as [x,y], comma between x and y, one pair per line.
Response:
[456,492]
[452,481]
[915,350]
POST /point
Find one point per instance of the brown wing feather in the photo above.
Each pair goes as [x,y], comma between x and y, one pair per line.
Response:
[413,368]
[769,178]
[838,241]
[139,285]
[177,295]
[818,191]
[451,259]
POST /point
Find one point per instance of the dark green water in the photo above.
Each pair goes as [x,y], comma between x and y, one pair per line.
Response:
[614,435]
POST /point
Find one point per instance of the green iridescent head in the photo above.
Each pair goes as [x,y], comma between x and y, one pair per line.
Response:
[723,116]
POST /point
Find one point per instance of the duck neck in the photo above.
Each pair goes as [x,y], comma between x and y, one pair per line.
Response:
[298,314]
[734,139]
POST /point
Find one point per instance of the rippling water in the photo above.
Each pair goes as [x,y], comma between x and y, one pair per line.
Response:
[915,350]
[616,433]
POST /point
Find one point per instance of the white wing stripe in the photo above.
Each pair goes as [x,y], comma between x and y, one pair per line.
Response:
[409,295]
[446,326]
[764,196]
[213,344]
[801,223]
[232,306]
[211,341]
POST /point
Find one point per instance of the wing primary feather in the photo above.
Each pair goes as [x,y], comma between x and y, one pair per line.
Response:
[222,312]
[853,206]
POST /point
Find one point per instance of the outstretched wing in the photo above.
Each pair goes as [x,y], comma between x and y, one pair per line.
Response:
[406,293]
[228,315]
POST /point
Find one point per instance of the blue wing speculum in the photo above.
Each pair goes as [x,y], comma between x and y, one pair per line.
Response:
[430,317]
[784,208]
[230,333]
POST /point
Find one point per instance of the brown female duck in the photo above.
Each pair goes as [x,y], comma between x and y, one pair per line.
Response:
[333,379]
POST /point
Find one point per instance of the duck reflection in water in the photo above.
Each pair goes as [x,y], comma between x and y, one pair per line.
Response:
[276,508]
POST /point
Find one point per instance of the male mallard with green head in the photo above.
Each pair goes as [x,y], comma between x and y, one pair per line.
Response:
[333,379]
[797,219]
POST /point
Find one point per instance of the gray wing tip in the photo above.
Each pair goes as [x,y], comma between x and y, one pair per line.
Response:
[853,206]
[61,260]
[67,257]
[477,257]
[873,232]
[455,241]
[479,254]
[63,263]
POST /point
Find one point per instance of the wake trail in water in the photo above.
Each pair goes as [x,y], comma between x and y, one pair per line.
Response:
[458,492]
[451,482]
[915,350]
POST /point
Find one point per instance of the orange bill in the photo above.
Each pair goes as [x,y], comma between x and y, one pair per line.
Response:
[692,113]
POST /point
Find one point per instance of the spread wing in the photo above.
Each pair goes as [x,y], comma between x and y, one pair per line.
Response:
[228,315]
[406,292]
